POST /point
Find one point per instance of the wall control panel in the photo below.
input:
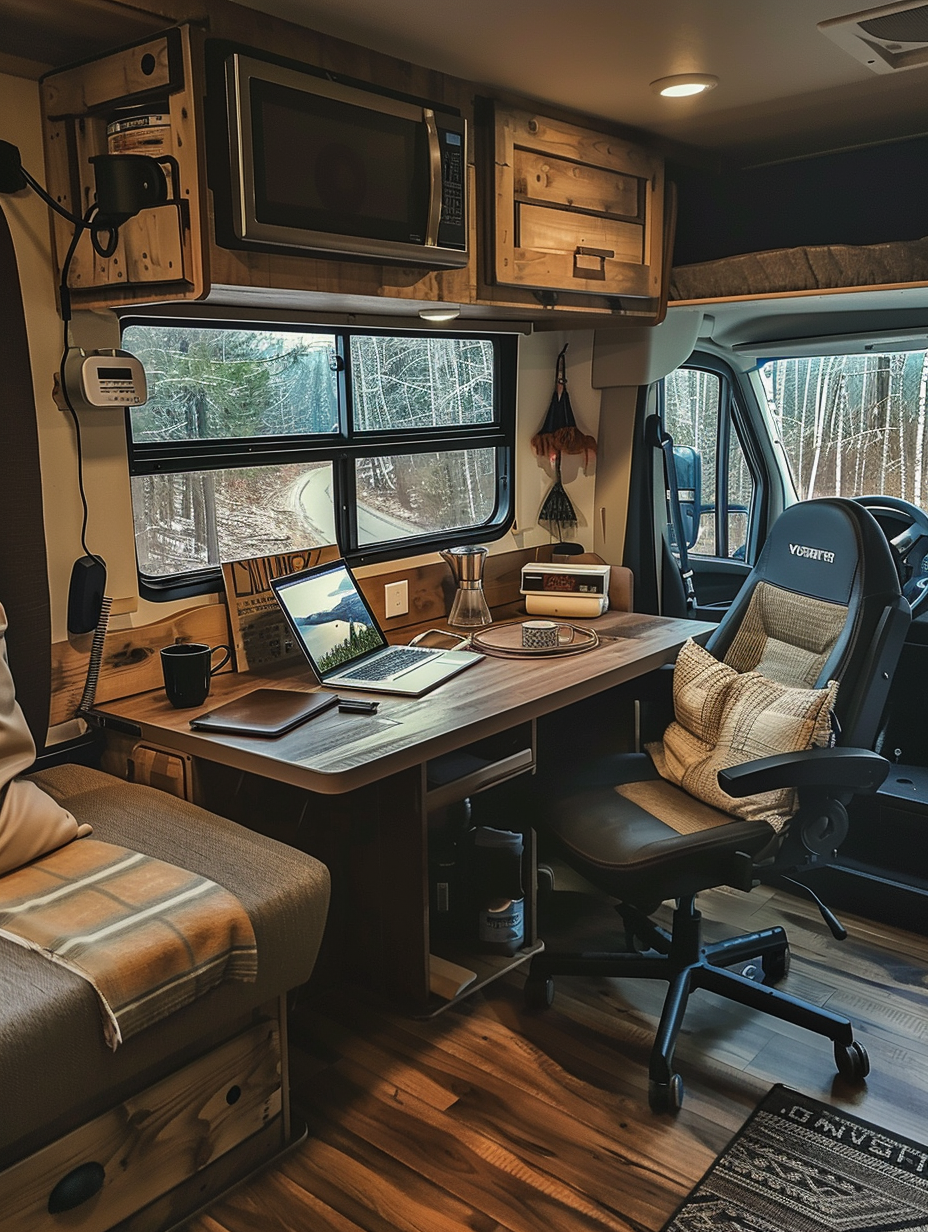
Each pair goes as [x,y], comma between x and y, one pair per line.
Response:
[104,379]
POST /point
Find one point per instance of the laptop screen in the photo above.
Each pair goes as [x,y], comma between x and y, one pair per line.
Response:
[329,615]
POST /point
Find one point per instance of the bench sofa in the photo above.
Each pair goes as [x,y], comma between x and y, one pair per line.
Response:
[183,1108]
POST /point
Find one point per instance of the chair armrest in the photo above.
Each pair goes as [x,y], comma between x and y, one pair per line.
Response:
[840,769]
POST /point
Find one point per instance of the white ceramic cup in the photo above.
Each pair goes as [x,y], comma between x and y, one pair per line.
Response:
[545,634]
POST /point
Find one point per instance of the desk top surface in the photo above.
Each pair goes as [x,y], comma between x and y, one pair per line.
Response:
[339,752]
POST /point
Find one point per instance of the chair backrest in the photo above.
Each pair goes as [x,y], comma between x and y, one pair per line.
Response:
[822,603]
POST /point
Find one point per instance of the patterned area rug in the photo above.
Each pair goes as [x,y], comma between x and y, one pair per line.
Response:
[801,1166]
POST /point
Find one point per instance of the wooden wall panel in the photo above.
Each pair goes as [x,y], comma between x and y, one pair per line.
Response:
[131,662]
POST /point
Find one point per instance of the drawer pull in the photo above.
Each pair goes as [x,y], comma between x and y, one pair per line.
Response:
[591,262]
[79,1185]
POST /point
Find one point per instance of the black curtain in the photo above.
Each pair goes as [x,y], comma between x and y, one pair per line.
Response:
[23,566]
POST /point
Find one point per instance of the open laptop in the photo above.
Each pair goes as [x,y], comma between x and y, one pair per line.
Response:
[345,645]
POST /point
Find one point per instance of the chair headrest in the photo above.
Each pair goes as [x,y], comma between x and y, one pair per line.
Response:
[827,549]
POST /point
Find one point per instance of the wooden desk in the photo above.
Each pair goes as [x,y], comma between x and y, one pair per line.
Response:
[367,816]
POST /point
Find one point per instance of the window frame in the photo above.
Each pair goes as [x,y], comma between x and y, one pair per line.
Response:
[733,416]
[341,448]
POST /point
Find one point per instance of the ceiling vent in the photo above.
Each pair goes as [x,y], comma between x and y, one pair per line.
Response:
[887,39]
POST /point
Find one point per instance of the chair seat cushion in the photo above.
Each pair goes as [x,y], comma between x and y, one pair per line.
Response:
[627,851]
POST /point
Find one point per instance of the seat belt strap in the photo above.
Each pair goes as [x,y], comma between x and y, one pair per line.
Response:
[659,438]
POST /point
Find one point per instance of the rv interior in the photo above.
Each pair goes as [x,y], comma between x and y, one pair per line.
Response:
[587,377]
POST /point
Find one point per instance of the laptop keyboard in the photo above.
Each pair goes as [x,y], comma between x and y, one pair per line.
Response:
[390,664]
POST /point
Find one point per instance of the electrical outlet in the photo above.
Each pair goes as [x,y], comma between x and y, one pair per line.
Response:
[396,598]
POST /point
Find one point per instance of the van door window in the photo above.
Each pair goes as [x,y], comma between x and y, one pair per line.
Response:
[714,481]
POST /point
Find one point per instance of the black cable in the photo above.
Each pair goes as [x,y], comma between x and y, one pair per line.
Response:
[65,296]
[96,226]
[50,201]
[97,646]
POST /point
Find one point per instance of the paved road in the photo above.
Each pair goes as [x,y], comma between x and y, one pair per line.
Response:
[312,496]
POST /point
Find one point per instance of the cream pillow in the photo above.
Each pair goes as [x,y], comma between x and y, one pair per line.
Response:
[31,823]
[725,718]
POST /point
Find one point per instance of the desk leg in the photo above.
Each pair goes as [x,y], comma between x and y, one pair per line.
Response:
[387,871]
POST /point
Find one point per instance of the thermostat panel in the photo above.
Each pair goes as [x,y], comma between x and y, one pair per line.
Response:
[104,379]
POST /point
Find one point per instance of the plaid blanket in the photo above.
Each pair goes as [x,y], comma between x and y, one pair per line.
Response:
[150,937]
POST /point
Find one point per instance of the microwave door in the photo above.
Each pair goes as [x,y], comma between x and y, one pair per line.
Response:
[320,165]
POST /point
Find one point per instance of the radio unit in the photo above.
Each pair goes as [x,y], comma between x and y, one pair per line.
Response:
[565,590]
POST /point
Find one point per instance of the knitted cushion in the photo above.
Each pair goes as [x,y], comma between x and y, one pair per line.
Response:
[724,719]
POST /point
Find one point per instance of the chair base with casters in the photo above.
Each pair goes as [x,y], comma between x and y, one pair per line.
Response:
[682,959]
[630,855]
[820,616]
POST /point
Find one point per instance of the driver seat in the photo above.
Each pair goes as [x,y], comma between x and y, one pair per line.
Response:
[822,605]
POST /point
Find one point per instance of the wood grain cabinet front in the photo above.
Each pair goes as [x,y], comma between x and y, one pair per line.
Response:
[140,100]
[575,210]
[118,1163]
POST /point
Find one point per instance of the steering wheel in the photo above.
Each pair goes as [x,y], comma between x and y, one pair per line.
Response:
[914,587]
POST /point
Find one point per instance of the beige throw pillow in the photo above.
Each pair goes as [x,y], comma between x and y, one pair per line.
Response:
[724,718]
[31,823]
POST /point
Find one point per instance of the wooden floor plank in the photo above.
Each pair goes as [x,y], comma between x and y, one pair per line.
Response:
[272,1202]
[548,1139]
[489,1118]
[375,1189]
[491,1168]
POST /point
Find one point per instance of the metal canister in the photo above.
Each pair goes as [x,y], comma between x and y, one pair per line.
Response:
[147,132]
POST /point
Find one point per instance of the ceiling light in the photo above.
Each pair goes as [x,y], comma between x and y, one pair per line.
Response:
[439,314]
[683,85]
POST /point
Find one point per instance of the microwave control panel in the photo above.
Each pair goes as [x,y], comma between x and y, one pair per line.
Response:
[452,228]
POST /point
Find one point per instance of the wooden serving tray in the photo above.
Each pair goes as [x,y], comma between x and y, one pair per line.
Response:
[506,641]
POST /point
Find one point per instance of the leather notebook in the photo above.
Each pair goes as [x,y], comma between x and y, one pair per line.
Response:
[265,712]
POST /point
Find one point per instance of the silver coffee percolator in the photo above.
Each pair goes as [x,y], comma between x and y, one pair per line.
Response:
[469,609]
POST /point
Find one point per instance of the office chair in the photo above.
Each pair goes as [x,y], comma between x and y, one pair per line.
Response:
[822,604]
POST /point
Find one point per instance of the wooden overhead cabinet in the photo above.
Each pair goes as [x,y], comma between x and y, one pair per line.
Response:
[576,210]
[159,253]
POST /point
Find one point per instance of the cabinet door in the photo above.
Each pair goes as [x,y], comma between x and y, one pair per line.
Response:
[575,210]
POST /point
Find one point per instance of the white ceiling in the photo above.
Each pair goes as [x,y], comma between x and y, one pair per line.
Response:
[785,87]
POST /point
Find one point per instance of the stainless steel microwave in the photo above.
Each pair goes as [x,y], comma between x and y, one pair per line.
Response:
[323,165]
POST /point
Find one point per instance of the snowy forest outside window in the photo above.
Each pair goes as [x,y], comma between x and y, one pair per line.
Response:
[852,424]
[259,441]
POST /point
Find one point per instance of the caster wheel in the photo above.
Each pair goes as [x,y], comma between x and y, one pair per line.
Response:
[539,992]
[776,966]
[666,1096]
[852,1061]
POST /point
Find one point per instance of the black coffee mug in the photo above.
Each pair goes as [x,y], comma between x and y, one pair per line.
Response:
[188,667]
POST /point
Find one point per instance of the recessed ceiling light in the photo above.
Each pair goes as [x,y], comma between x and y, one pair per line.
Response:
[439,314]
[683,85]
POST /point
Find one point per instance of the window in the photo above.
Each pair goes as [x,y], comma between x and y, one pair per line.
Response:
[715,483]
[852,425]
[258,441]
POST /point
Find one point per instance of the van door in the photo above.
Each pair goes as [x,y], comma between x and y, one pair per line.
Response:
[718,481]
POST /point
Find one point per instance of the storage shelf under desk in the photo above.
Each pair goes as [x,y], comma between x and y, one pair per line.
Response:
[486,968]
[479,765]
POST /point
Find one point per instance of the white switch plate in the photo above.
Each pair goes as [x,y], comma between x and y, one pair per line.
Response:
[396,598]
